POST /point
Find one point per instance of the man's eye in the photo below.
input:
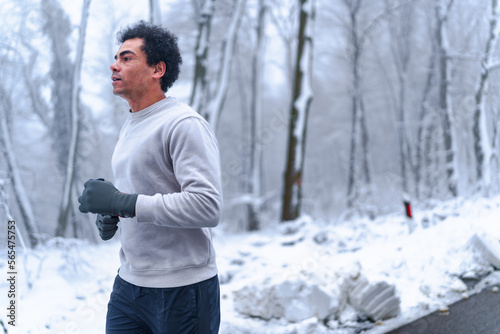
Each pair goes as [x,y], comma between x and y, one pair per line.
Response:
[126,58]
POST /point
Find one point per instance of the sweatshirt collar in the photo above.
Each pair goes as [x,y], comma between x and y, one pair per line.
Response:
[151,109]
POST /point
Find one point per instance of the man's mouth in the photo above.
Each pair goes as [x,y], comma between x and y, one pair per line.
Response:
[114,79]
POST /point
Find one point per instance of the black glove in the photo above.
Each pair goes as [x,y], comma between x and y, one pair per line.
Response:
[100,196]
[107,226]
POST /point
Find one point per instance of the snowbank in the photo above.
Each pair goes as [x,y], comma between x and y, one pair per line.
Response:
[304,277]
[375,273]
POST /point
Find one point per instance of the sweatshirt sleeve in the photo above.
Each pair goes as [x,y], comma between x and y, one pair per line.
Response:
[196,165]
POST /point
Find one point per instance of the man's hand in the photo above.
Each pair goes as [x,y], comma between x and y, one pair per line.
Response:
[100,196]
[107,226]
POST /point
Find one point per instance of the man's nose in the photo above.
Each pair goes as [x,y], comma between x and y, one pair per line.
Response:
[114,67]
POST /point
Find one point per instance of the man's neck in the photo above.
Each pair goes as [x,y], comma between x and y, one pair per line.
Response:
[144,103]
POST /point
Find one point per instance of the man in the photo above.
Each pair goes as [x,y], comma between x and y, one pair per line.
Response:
[167,169]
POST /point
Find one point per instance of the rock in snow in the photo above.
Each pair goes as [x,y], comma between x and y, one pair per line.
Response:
[489,248]
[297,300]
[292,300]
[377,301]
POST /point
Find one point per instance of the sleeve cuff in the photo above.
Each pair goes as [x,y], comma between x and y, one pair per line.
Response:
[144,209]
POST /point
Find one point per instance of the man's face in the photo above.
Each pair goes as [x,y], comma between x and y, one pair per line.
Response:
[131,75]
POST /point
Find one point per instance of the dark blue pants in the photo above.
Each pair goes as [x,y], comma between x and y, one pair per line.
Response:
[191,309]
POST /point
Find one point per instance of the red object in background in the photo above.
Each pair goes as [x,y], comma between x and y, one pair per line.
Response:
[408,209]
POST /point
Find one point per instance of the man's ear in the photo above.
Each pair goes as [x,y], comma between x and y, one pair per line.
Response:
[159,70]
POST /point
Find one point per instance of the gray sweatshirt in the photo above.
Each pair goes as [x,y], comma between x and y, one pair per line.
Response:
[168,154]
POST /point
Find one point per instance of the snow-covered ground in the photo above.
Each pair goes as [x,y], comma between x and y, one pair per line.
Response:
[71,280]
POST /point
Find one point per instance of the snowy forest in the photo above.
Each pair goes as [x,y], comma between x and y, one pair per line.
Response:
[333,110]
[324,108]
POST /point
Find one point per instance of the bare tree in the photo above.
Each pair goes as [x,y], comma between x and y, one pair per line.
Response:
[256,119]
[57,27]
[301,102]
[356,40]
[6,209]
[67,203]
[20,194]
[284,21]
[424,125]
[359,181]
[482,145]
[212,110]
[442,9]
[400,45]
[199,91]
[208,99]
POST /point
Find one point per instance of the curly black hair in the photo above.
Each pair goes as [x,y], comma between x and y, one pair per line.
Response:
[159,45]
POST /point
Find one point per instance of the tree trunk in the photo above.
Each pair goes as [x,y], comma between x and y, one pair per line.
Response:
[365,140]
[423,123]
[57,27]
[432,161]
[351,178]
[482,145]
[67,198]
[214,108]
[400,35]
[302,98]
[20,194]
[442,8]
[255,121]
[199,92]
[355,54]
[154,12]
